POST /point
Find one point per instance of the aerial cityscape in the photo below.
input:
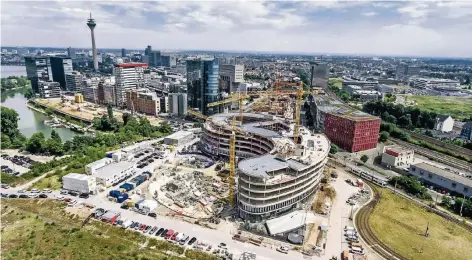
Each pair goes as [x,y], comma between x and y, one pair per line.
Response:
[239,130]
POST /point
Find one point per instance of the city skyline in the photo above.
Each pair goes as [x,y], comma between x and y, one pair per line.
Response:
[436,29]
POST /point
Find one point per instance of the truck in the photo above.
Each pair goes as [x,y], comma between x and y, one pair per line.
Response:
[126,224]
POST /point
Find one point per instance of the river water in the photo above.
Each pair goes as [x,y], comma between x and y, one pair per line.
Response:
[30,121]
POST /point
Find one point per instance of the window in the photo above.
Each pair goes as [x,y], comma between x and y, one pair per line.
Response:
[430,175]
[454,185]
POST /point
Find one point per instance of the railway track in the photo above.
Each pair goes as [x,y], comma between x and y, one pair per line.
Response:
[460,150]
[362,222]
[437,156]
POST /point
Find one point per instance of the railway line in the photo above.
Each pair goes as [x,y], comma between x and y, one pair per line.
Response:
[362,222]
[460,150]
[436,156]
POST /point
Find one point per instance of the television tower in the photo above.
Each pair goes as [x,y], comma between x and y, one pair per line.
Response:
[91,24]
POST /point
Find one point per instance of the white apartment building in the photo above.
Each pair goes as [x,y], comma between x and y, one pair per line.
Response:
[418,82]
[80,183]
[49,89]
[396,156]
[444,123]
[128,76]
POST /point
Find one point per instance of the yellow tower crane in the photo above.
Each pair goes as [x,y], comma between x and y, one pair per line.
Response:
[232,163]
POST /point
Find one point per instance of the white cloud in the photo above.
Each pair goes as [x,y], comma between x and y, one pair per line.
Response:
[308,26]
[369,14]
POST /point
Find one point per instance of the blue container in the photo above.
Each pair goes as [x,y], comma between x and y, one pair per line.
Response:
[109,155]
[122,198]
[127,186]
[148,173]
[115,193]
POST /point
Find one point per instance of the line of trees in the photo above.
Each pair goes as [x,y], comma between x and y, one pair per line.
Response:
[11,136]
[455,205]
[13,82]
[411,185]
[405,117]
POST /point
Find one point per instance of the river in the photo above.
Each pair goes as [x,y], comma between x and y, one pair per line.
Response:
[30,121]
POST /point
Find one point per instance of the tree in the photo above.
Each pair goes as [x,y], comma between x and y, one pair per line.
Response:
[9,121]
[364,158]
[383,137]
[55,136]
[334,149]
[36,143]
[405,121]
[125,118]
[110,111]
[5,142]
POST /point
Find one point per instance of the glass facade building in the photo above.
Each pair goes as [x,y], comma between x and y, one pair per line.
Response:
[203,84]
[37,68]
[60,68]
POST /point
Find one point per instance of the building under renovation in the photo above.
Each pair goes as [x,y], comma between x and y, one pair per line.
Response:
[275,174]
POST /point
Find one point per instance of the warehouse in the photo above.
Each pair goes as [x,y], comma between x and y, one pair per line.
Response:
[91,168]
[113,173]
[146,205]
[446,179]
[179,138]
[80,183]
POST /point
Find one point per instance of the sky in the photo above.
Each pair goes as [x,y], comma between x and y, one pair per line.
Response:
[398,28]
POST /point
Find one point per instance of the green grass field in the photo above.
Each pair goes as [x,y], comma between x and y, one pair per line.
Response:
[337,82]
[41,229]
[457,107]
[401,225]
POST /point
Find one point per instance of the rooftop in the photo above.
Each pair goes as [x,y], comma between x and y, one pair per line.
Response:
[337,108]
[289,222]
[78,176]
[179,134]
[112,169]
[445,173]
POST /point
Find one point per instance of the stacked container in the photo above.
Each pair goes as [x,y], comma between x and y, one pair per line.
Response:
[127,186]
[115,193]
[122,198]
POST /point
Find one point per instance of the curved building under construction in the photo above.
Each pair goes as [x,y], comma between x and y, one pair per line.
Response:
[275,174]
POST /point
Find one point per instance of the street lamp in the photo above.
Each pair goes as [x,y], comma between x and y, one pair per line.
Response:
[462,205]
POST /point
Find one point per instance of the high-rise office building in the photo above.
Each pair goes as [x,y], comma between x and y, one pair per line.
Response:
[91,24]
[203,84]
[128,76]
[168,61]
[319,75]
[74,81]
[71,53]
[37,68]
[153,58]
[123,53]
[178,104]
[61,66]
[230,74]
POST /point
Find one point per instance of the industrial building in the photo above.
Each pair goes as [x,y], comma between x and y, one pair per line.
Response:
[348,128]
[49,89]
[275,175]
[114,172]
[177,104]
[143,101]
[128,76]
[443,178]
[396,156]
[179,138]
[81,183]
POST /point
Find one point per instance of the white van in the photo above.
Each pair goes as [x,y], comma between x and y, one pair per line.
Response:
[348,228]
[126,224]
[357,250]
[350,233]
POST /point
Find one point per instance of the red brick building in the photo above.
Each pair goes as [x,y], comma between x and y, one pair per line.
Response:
[352,133]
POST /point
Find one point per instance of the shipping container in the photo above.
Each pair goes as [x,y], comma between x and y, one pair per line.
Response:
[137,203]
[109,155]
[122,198]
[147,172]
[127,186]
[115,193]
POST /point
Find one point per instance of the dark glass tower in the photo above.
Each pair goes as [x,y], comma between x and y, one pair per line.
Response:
[203,84]
[60,66]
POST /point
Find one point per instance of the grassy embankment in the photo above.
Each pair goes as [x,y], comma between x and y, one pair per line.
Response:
[336,82]
[401,225]
[457,107]
[41,229]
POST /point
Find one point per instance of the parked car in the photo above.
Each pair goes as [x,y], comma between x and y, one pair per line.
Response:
[124,206]
[4,195]
[282,249]
[33,195]
[84,195]
[153,215]
[174,236]
[64,192]
[222,245]
[154,229]
[47,191]
[72,203]
[43,196]
[159,232]
[60,197]
[5,186]
[21,191]
[73,193]
[192,240]
[142,227]
[12,196]
[169,233]
[147,229]
[137,226]
[23,196]
[164,232]
[184,240]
